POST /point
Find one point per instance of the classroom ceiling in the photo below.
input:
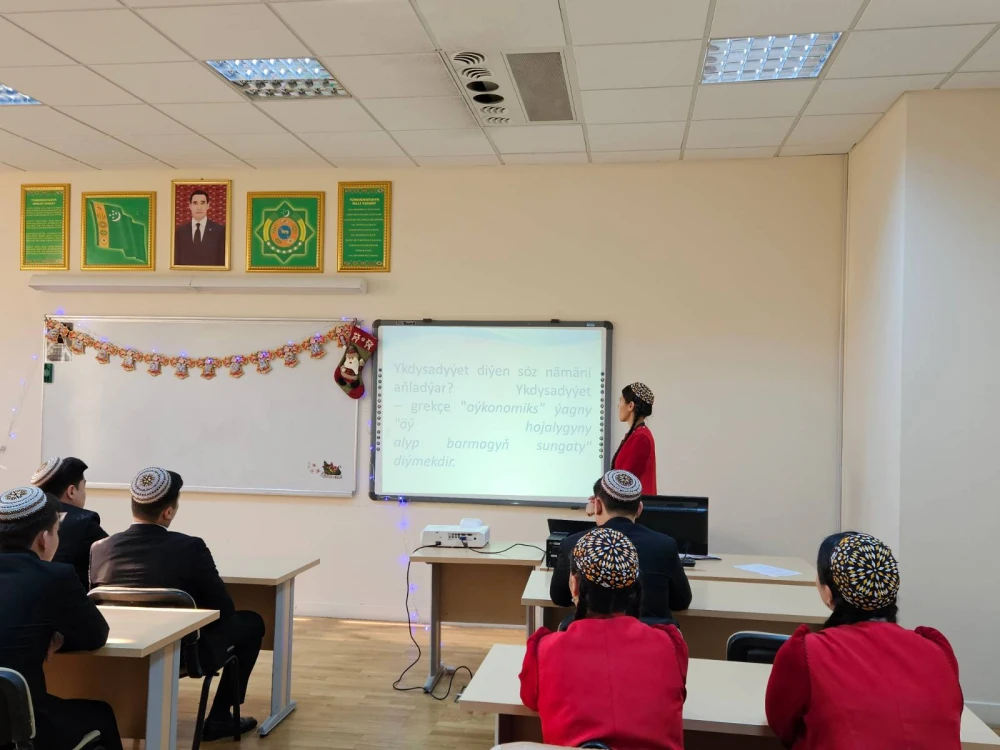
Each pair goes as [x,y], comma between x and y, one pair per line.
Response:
[123,84]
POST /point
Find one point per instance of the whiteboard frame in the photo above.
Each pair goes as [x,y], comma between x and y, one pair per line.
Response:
[196,319]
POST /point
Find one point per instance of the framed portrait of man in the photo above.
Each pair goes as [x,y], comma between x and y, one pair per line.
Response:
[200,212]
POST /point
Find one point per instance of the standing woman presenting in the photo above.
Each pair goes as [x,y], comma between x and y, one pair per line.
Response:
[637,451]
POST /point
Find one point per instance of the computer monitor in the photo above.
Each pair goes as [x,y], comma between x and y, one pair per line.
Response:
[569,527]
[683,518]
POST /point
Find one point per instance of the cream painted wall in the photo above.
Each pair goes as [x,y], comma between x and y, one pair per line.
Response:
[723,280]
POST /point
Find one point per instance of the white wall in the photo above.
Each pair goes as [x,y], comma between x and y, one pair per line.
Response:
[723,280]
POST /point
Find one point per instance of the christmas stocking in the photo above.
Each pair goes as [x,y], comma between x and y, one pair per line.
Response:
[358,348]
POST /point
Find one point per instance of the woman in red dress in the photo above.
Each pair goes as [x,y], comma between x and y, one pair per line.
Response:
[637,451]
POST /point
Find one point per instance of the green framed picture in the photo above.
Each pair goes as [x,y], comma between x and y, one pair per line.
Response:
[44,227]
[364,221]
[119,231]
[285,232]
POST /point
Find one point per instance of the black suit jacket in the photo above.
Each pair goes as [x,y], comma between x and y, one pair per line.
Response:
[79,529]
[210,252]
[37,599]
[665,586]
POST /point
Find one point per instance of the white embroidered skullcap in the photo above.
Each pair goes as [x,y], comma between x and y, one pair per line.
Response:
[150,485]
[642,392]
[21,503]
[46,471]
[623,486]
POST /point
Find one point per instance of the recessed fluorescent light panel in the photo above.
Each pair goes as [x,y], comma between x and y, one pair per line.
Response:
[10,96]
[284,77]
[767,58]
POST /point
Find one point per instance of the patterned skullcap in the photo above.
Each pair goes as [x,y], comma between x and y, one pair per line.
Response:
[606,557]
[150,485]
[20,503]
[46,471]
[623,486]
[865,572]
[642,392]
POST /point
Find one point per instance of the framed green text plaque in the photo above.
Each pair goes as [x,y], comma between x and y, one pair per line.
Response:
[285,232]
[119,231]
[45,227]
[363,221]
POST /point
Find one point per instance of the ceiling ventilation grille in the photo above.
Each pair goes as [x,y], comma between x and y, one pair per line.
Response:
[497,120]
[540,78]
[469,58]
[476,73]
[493,110]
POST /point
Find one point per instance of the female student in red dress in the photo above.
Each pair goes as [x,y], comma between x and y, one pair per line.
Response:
[609,677]
[637,451]
[863,682]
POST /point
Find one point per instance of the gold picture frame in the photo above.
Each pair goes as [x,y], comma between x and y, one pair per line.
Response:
[351,254]
[139,208]
[226,228]
[26,190]
[285,232]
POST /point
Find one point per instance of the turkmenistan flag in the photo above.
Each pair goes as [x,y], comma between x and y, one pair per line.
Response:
[116,230]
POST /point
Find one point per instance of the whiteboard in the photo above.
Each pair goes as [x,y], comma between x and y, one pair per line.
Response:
[259,434]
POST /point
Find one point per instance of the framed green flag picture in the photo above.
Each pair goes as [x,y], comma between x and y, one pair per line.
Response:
[285,232]
[119,231]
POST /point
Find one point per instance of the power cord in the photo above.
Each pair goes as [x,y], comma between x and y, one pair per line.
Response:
[500,551]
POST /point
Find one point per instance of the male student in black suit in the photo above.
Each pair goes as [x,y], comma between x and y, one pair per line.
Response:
[80,528]
[201,241]
[44,609]
[149,555]
[616,504]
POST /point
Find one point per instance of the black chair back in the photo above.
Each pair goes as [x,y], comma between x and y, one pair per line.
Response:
[17,716]
[595,746]
[756,648]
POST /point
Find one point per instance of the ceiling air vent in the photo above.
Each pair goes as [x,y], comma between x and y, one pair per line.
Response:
[469,58]
[493,110]
[497,120]
[540,78]
[475,73]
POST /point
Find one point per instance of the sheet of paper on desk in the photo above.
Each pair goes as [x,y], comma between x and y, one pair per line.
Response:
[768,570]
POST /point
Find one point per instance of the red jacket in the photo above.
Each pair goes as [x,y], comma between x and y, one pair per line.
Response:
[615,679]
[638,455]
[870,686]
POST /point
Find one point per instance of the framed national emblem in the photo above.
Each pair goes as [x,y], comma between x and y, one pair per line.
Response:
[119,231]
[285,232]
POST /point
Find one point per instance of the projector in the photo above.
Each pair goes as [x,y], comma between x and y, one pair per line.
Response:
[471,532]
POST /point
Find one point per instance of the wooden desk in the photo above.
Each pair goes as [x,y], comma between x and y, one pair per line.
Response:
[266,585]
[137,672]
[724,708]
[726,570]
[718,609]
[474,587]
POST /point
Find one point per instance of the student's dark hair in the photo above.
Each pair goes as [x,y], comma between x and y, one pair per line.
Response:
[21,534]
[613,504]
[200,192]
[641,411]
[151,511]
[70,474]
[598,601]
[844,613]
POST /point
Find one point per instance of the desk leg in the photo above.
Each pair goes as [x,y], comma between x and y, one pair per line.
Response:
[531,620]
[281,669]
[437,668]
[161,698]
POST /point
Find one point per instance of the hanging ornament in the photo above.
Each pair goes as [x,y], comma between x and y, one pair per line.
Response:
[208,368]
[181,368]
[103,354]
[128,360]
[78,346]
[155,365]
[316,350]
[263,362]
[291,356]
[236,366]
[52,333]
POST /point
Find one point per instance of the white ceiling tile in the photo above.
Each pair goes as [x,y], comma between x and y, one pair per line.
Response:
[720,101]
[469,142]
[457,161]
[227,32]
[248,146]
[649,136]
[349,27]
[127,119]
[751,17]
[382,76]
[374,162]
[897,14]
[526,139]
[92,148]
[819,129]
[173,3]
[64,85]
[820,150]
[8,168]
[17,6]
[768,131]
[35,121]
[759,152]
[165,83]
[494,24]
[18,150]
[429,113]
[353,145]
[573,158]
[623,21]
[195,168]
[240,117]
[172,147]
[973,81]
[320,116]
[897,52]
[622,157]
[298,163]
[19,48]
[631,66]
[102,36]
[119,166]
[637,105]
[54,166]
[987,57]
[843,96]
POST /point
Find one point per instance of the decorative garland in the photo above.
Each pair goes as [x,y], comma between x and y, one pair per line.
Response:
[80,341]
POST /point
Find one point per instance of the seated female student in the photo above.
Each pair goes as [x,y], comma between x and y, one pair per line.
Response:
[609,677]
[864,682]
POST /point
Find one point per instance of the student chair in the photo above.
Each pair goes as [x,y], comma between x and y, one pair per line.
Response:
[191,665]
[756,648]
[17,716]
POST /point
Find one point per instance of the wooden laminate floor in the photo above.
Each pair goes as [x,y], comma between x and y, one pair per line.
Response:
[342,679]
